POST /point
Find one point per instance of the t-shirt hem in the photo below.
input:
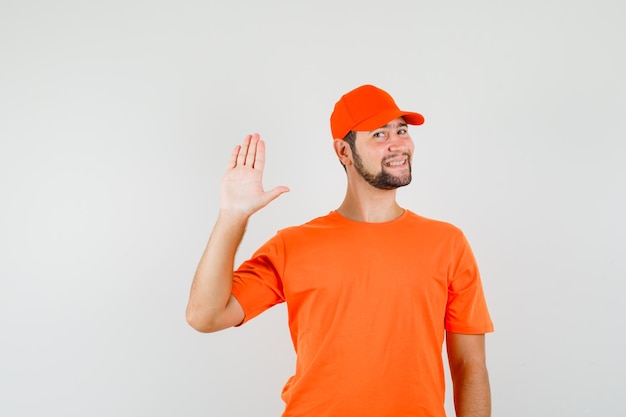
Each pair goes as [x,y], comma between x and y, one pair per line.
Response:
[471,329]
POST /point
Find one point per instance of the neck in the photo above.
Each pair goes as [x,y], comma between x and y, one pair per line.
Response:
[369,204]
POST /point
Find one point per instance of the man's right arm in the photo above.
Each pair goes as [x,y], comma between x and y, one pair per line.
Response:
[211,306]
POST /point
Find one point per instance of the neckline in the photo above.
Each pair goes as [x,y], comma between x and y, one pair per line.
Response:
[347,220]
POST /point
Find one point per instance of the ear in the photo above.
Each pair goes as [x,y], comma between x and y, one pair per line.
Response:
[343,151]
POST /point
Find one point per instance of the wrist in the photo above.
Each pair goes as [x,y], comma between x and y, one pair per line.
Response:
[233,217]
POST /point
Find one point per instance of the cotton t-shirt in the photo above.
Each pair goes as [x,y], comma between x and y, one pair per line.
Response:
[368,306]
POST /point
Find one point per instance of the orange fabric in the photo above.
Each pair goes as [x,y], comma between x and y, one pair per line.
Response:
[368,304]
[367,108]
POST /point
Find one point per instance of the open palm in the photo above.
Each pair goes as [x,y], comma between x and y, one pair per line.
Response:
[242,185]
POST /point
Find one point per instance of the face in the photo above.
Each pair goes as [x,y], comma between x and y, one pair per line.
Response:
[382,157]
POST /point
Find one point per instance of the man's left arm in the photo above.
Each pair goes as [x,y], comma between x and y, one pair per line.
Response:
[468,368]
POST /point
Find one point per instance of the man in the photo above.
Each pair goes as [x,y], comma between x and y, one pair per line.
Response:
[371,289]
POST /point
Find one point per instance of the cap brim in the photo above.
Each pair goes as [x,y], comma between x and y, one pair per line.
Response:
[382,119]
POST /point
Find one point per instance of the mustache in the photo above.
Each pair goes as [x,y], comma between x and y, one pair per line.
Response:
[395,155]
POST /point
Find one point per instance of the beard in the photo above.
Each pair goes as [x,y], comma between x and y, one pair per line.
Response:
[383,180]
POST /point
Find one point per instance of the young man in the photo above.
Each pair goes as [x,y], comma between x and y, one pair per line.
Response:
[371,288]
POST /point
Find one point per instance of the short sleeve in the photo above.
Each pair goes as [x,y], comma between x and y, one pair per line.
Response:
[257,283]
[466,310]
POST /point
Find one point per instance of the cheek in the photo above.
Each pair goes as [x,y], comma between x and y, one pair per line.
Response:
[411,149]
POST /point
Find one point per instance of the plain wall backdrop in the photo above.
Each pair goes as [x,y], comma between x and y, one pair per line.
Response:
[116,122]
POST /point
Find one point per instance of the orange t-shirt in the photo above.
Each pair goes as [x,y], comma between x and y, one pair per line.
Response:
[368,304]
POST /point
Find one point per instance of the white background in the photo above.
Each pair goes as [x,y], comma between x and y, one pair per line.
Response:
[116,121]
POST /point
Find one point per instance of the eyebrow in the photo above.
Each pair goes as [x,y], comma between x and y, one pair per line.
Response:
[388,125]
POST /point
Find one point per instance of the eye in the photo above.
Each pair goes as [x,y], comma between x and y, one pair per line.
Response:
[380,135]
[402,132]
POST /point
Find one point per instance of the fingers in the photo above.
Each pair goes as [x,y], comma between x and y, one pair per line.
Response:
[243,151]
[252,148]
[232,161]
[250,153]
[259,156]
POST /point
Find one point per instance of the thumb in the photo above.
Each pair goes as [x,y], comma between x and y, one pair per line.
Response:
[272,194]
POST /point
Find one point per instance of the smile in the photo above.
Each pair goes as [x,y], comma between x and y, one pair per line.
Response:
[395,163]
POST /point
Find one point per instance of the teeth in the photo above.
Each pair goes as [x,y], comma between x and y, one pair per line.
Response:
[394,164]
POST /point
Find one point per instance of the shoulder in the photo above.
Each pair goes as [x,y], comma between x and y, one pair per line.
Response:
[437,233]
[328,221]
[432,225]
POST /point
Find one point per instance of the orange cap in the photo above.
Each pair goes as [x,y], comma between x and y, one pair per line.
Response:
[367,108]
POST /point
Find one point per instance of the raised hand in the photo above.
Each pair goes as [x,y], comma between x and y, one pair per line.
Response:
[242,185]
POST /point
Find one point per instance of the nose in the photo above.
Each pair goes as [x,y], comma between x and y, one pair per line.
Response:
[399,143]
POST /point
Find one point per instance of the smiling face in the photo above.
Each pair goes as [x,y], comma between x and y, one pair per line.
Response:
[383,156]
